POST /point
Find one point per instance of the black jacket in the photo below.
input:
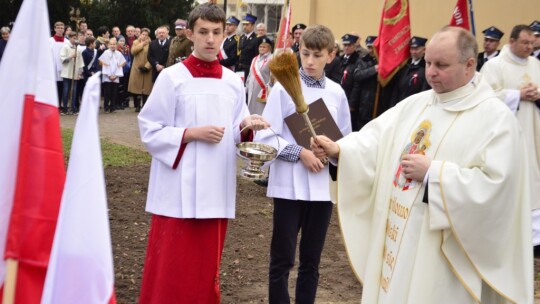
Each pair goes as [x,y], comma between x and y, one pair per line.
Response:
[411,79]
[230,47]
[158,54]
[480,60]
[364,89]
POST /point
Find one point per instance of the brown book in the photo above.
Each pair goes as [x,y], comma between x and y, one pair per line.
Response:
[322,122]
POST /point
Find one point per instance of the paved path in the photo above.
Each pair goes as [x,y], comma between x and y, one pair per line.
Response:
[119,127]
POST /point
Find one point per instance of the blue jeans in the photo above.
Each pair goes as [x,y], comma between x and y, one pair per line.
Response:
[65,95]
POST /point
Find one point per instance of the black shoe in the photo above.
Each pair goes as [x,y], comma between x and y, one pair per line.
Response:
[261,182]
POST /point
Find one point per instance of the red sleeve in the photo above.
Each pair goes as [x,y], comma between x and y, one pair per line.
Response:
[180,151]
[248,137]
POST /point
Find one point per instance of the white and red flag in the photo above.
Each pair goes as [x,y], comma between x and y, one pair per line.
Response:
[463,15]
[32,171]
[284,39]
[81,263]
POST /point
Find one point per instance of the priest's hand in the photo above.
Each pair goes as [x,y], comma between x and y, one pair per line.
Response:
[323,146]
[211,134]
[529,92]
[254,122]
[415,166]
[310,161]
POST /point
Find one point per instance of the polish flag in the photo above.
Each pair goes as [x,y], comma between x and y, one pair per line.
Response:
[283,39]
[32,171]
[81,263]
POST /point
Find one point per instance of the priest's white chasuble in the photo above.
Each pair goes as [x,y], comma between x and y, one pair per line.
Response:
[471,241]
[507,73]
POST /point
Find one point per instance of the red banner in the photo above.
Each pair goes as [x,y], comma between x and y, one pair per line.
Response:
[460,16]
[392,44]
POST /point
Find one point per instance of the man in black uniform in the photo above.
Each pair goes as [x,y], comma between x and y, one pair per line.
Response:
[229,51]
[249,45]
[347,66]
[535,26]
[369,45]
[297,31]
[364,86]
[492,37]
[412,77]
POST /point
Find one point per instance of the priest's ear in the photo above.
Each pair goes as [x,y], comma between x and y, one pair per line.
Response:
[470,64]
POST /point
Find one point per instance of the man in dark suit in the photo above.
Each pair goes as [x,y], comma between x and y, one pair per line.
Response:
[229,50]
[492,37]
[535,26]
[412,77]
[249,45]
[158,51]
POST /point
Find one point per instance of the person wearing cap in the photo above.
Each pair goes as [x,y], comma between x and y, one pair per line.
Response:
[181,47]
[297,31]
[229,49]
[369,44]
[259,76]
[411,79]
[364,86]
[535,26]
[347,65]
[492,37]
[249,45]
[515,78]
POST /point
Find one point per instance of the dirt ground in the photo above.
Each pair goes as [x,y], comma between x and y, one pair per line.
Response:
[244,266]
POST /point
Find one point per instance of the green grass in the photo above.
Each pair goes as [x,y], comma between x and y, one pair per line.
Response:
[113,154]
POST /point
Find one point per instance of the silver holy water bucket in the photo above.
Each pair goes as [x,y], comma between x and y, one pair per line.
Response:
[256,155]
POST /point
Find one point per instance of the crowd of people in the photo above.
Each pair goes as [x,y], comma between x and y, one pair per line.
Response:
[436,181]
[420,189]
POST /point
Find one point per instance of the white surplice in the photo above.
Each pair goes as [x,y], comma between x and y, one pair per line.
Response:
[471,243]
[204,183]
[112,62]
[507,74]
[291,180]
[55,49]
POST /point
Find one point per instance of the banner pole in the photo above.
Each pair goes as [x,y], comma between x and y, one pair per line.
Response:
[10,282]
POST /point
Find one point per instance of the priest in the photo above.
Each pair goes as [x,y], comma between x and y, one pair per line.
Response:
[433,195]
[515,77]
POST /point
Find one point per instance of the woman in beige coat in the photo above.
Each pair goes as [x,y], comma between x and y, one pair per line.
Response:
[140,79]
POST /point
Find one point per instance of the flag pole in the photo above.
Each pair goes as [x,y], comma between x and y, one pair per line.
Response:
[10,282]
[471,17]
[376,102]
[73,79]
